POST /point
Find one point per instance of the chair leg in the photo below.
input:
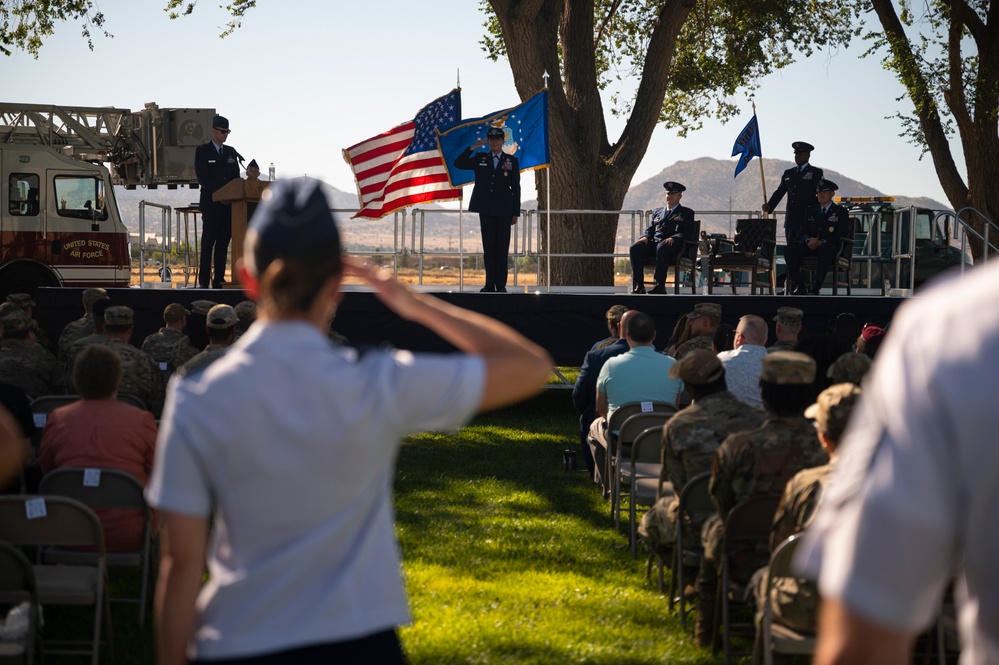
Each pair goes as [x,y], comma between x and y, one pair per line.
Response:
[731,280]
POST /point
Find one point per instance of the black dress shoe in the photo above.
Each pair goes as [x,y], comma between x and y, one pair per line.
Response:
[816,290]
[501,289]
[487,289]
[658,289]
[637,287]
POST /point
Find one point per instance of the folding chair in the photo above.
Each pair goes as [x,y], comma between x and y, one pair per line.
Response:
[41,407]
[695,507]
[622,413]
[55,520]
[747,534]
[642,476]
[685,261]
[105,488]
[841,266]
[618,458]
[17,585]
[133,400]
[755,245]
[776,637]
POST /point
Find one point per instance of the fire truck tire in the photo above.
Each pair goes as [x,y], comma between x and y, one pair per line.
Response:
[24,278]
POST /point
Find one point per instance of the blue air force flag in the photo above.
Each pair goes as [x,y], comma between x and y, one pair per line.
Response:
[747,145]
[526,137]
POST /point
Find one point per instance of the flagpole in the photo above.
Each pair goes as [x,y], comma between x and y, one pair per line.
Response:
[763,182]
[461,245]
[548,208]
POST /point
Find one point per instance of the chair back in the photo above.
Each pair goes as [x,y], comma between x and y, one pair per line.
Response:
[695,499]
[132,400]
[639,422]
[97,488]
[628,409]
[747,534]
[757,237]
[688,254]
[56,520]
[647,446]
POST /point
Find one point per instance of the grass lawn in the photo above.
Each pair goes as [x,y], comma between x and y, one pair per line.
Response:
[507,557]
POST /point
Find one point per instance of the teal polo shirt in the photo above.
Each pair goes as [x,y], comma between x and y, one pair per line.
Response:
[639,375]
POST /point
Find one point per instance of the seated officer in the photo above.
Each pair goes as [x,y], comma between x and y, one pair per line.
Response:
[663,239]
[819,236]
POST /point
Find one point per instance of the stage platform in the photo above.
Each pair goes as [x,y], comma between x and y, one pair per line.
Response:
[566,323]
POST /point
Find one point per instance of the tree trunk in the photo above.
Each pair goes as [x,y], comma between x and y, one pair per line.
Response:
[587,172]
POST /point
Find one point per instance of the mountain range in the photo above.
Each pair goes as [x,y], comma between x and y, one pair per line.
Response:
[709,182]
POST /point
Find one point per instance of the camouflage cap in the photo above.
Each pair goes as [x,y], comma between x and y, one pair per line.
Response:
[202,306]
[832,409]
[698,368]
[17,321]
[221,316]
[119,315]
[789,316]
[246,311]
[22,300]
[90,296]
[849,368]
[7,308]
[705,309]
[788,368]
[175,312]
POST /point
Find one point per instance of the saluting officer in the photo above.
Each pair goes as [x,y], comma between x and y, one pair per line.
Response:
[819,236]
[663,239]
[496,197]
[798,182]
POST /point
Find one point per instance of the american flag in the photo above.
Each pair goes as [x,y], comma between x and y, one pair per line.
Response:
[403,167]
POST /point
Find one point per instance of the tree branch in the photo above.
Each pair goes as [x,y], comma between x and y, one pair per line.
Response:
[603,24]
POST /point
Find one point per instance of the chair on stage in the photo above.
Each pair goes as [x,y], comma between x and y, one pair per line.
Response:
[841,267]
[684,262]
[755,245]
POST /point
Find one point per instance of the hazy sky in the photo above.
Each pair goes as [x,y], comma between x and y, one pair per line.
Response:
[302,80]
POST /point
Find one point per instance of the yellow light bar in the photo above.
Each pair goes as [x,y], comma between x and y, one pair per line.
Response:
[865,199]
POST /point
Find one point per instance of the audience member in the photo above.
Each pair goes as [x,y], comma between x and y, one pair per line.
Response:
[98,431]
[870,340]
[614,315]
[196,330]
[744,363]
[27,305]
[689,441]
[849,368]
[639,375]
[297,477]
[81,327]
[704,321]
[139,374]
[584,391]
[758,462]
[98,336]
[788,320]
[795,601]
[723,339]
[246,312]
[681,333]
[25,364]
[847,328]
[912,503]
[824,349]
[221,325]
[160,344]
[11,447]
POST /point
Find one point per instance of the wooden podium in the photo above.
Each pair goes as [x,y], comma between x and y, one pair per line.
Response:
[243,195]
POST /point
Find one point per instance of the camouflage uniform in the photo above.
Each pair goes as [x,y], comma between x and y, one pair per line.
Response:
[160,346]
[140,376]
[72,333]
[784,345]
[689,441]
[211,353]
[694,343]
[74,350]
[24,302]
[29,367]
[181,353]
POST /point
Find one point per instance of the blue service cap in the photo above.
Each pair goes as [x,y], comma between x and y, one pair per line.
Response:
[220,122]
[293,220]
[826,186]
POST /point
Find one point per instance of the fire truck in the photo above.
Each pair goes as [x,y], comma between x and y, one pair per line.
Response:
[59,221]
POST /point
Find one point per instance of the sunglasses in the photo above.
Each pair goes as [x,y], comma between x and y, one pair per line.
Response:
[222,131]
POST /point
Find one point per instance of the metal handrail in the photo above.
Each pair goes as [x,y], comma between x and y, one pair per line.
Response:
[165,229]
[967,229]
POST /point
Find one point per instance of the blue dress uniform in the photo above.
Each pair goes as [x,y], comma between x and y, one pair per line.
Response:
[214,168]
[665,224]
[496,197]
[828,226]
[799,183]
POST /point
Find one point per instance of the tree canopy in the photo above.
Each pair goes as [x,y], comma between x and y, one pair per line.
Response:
[946,55]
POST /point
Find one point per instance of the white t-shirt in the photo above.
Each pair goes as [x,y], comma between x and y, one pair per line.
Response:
[292,441]
[914,499]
